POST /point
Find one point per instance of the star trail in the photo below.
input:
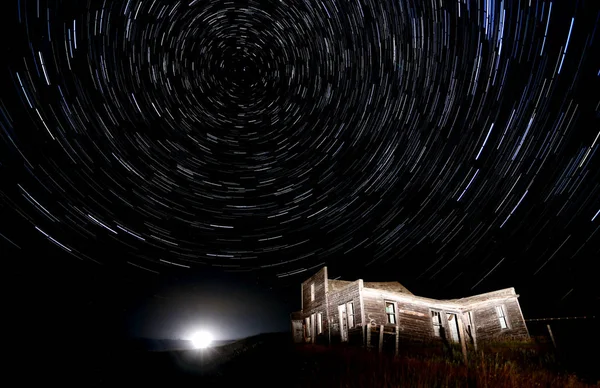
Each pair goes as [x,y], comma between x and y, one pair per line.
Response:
[438,139]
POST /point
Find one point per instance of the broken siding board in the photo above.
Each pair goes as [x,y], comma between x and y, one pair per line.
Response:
[413,320]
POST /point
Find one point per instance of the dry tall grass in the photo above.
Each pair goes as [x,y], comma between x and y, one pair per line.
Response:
[501,365]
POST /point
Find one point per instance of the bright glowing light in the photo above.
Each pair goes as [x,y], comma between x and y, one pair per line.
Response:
[202,339]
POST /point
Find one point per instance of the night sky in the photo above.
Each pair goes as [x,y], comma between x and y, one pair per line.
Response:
[167,165]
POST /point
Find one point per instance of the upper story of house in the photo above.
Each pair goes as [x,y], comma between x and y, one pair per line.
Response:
[316,288]
[359,303]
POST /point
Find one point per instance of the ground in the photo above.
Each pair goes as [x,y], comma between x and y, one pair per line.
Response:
[271,360]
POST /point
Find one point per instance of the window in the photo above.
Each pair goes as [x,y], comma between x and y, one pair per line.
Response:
[436,320]
[502,317]
[390,311]
[312,292]
[319,323]
[350,314]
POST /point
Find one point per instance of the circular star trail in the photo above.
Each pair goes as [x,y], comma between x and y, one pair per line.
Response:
[457,136]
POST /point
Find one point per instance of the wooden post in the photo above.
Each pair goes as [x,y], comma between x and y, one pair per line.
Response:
[364,335]
[368,335]
[551,335]
[463,341]
[397,340]
[380,338]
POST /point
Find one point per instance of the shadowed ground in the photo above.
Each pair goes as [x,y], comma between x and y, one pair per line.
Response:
[271,360]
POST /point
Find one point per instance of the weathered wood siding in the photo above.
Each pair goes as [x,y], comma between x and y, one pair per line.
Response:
[487,322]
[297,331]
[319,279]
[350,293]
[413,313]
[318,305]
[414,322]
[414,317]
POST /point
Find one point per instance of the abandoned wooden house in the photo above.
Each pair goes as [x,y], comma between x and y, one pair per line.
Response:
[368,312]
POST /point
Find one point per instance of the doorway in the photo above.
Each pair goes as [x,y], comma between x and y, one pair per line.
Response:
[307,329]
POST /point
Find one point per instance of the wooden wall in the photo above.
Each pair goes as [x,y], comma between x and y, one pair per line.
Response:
[343,293]
[320,281]
[318,305]
[413,319]
[350,293]
[413,314]
[488,325]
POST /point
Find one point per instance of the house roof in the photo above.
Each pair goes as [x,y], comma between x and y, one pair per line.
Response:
[388,286]
[506,292]
[458,303]
[335,285]
[396,287]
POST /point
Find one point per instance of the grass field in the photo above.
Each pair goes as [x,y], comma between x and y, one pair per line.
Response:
[270,360]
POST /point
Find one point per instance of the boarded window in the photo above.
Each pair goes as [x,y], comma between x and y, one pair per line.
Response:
[350,313]
[312,292]
[436,320]
[502,317]
[390,311]
[319,323]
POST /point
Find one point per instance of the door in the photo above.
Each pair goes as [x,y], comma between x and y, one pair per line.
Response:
[453,328]
[297,331]
[343,322]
